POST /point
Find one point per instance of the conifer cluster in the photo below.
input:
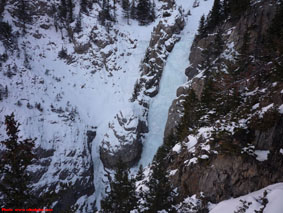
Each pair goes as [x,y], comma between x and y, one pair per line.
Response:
[221,10]
[16,157]
[123,195]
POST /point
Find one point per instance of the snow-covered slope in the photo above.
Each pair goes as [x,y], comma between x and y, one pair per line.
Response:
[58,100]
[267,200]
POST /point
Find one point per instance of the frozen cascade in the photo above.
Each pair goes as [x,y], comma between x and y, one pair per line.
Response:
[100,179]
[173,76]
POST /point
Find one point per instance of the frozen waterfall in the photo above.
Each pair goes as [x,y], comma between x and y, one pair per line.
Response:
[173,76]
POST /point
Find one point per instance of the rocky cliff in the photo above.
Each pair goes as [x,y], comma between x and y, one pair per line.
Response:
[228,117]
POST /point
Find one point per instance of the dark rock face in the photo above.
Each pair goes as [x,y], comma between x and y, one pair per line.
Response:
[225,165]
[90,136]
[225,176]
[174,116]
[129,154]
[273,137]
[176,109]
[229,174]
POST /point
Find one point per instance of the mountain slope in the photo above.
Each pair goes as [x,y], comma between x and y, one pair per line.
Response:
[93,83]
[229,134]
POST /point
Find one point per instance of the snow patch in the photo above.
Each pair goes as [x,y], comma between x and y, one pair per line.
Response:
[177,148]
[193,160]
[265,109]
[192,142]
[274,205]
[262,155]
[173,172]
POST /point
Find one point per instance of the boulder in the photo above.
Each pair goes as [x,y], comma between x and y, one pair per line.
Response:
[123,140]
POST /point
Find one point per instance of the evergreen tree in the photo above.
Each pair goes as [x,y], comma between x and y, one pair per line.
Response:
[245,46]
[70,11]
[274,42]
[152,12]
[143,12]
[140,175]
[160,195]
[104,13]
[63,9]
[2,7]
[114,10]
[243,58]
[275,31]
[237,7]
[191,115]
[84,4]
[207,60]
[122,196]
[125,4]
[22,10]
[17,155]
[226,9]
[219,43]
[126,9]
[202,27]
[133,12]
[6,34]
[78,27]
[214,16]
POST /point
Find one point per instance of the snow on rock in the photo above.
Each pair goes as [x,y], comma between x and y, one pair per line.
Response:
[254,201]
[191,144]
[204,157]
[193,160]
[265,109]
[123,136]
[261,155]
[189,204]
[177,148]
[173,172]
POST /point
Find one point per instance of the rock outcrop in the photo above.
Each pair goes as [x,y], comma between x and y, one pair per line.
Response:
[123,140]
[164,37]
